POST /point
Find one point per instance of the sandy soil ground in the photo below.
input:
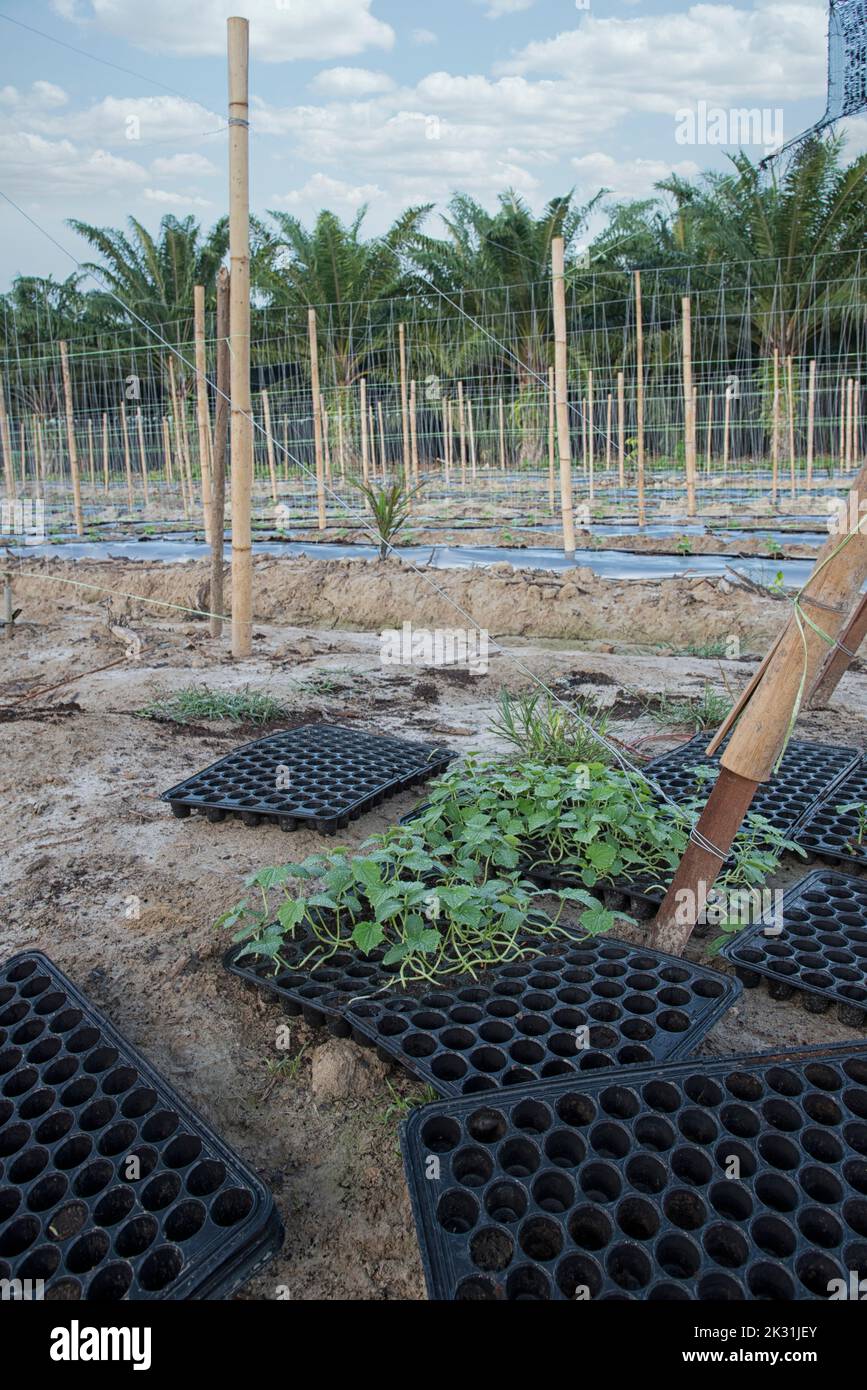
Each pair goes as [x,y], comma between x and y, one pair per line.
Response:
[123,896]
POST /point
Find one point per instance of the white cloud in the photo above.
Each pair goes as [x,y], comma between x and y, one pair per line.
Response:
[184,166]
[497,8]
[320,191]
[174,200]
[351,82]
[33,165]
[422,37]
[280,30]
[629,178]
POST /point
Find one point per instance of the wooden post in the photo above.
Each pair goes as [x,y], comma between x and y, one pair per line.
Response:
[590,440]
[372,431]
[502,434]
[70,439]
[775,429]
[179,444]
[326,441]
[383,456]
[317,417]
[239,334]
[688,406]
[202,422]
[142,453]
[850,423]
[842,424]
[471,434]
[8,607]
[447,435]
[761,720]
[708,438]
[221,427]
[106,482]
[40,447]
[341,457]
[167,451]
[561,389]
[8,468]
[840,656]
[272,469]
[639,395]
[413,431]
[91,466]
[621,431]
[362,408]
[127,457]
[608,414]
[404,407]
[811,422]
[726,425]
[790,392]
[551,438]
[462,433]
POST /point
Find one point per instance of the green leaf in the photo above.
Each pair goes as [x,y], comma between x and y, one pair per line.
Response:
[367,936]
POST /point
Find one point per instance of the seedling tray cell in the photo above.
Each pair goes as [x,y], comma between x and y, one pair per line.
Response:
[622,1185]
[111,1187]
[833,835]
[806,773]
[319,775]
[821,951]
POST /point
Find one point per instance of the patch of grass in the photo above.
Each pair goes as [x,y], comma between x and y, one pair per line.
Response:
[716,647]
[697,712]
[196,702]
[400,1106]
[542,729]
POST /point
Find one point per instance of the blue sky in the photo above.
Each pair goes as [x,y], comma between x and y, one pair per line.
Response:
[380,102]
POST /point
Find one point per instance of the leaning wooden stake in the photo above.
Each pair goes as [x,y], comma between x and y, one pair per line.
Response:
[221,425]
[762,720]
[841,656]
[70,439]
[561,390]
[202,421]
[239,333]
[639,396]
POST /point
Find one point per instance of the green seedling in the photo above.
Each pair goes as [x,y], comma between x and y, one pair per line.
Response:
[858,809]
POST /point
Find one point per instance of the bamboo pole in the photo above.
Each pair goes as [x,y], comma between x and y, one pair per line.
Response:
[462,433]
[639,395]
[202,416]
[127,456]
[22,452]
[621,432]
[608,414]
[272,468]
[775,428]
[326,440]
[179,444]
[40,447]
[590,439]
[8,468]
[404,407]
[70,439]
[850,423]
[727,411]
[362,410]
[447,434]
[842,424]
[383,457]
[142,453]
[708,438]
[840,656]
[413,431]
[584,435]
[239,333]
[502,419]
[561,388]
[551,438]
[811,421]
[106,483]
[790,391]
[285,448]
[688,405]
[91,466]
[372,441]
[762,719]
[341,458]
[471,435]
[167,451]
[221,426]
[317,418]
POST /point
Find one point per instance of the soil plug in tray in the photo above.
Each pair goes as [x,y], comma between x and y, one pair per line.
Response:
[111,1187]
[821,950]
[840,837]
[318,775]
[712,1179]
[572,1005]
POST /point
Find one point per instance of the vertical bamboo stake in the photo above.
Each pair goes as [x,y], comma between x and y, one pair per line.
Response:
[404,407]
[790,393]
[590,439]
[40,447]
[372,432]
[8,469]
[462,433]
[239,333]
[91,466]
[317,417]
[551,438]
[775,428]
[286,448]
[326,441]
[70,439]
[811,421]
[502,434]
[639,395]
[167,451]
[688,406]
[842,424]
[621,432]
[608,414]
[221,427]
[727,412]
[202,421]
[850,423]
[584,435]
[413,432]
[383,456]
[561,388]
[362,412]
[708,440]
[471,434]
[22,452]
[179,446]
[272,469]
[447,435]
[105,478]
[341,458]
[142,452]
[127,458]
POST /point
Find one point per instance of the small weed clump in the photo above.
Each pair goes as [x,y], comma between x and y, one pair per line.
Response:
[196,702]
[547,730]
[697,712]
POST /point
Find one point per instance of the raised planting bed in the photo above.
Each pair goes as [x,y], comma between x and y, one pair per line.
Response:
[836,830]
[712,1179]
[319,775]
[571,1005]
[821,952]
[111,1187]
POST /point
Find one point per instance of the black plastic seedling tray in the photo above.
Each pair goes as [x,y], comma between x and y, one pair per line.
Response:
[319,775]
[569,1006]
[821,950]
[832,835]
[111,1187]
[807,772]
[710,1179]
